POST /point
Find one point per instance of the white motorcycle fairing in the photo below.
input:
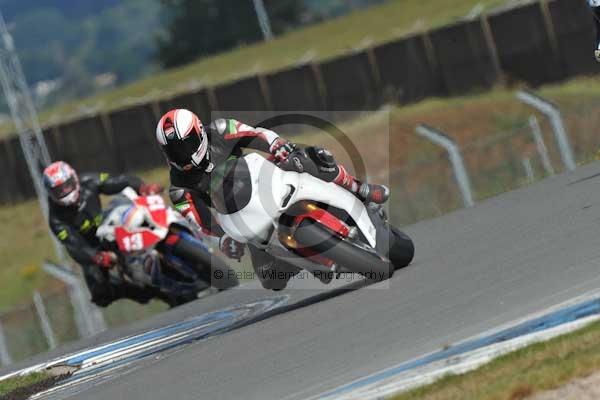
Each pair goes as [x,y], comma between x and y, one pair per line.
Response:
[275,190]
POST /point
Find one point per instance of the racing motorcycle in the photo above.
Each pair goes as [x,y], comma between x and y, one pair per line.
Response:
[307,222]
[158,250]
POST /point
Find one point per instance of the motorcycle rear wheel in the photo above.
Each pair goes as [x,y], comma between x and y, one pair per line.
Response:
[351,256]
[402,249]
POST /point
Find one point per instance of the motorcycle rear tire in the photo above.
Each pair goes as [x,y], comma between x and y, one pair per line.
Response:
[402,249]
[318,238]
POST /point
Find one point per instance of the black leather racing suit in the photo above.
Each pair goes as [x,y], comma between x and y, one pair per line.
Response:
[75,227]
[190,191]
[191,194]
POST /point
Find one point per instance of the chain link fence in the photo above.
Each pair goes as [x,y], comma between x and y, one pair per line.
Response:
[496,164]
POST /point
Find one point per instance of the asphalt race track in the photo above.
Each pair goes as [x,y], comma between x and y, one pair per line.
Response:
[474,270]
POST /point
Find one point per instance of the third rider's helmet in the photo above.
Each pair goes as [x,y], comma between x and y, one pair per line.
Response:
[183,139]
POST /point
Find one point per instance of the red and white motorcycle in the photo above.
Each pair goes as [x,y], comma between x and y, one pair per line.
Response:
[158,248]
[307,222]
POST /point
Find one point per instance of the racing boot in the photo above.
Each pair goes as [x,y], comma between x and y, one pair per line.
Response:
[273,274]
[372,193]
[366,192]
[271,277]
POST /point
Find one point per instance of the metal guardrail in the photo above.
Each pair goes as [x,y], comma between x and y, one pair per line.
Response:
[456,158]
[555,117]
[5,357]
[88,318]
[44,320]
[536,131]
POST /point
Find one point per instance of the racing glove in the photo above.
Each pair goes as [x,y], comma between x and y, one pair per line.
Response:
[231,248]
[147,189]
[281,149]
[105,259]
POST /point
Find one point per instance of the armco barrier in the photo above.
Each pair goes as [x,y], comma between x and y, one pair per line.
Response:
[574,27]
[197,102]
[243,95]
[406,72]
[133,134]
[54,141]
[350,83]
[20,171]
[464,58]
[86,146]
[295,90]
[524,46]
[8,180]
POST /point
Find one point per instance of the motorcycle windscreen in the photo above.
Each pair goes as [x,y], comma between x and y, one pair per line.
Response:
[231,186]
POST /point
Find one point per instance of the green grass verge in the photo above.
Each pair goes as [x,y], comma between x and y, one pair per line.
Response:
[539,367]
[11,384]
[25,244]
[382,23]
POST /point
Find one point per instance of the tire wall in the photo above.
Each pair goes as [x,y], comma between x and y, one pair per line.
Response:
[525,47]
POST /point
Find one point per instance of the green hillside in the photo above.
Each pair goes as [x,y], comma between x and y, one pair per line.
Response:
[70,43]
[385,22]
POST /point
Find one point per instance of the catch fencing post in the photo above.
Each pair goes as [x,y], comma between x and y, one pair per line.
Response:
[88,318]
[536,131]
[5,357]
[553,114]
[263,19]
[528,169]
[475,12]
[40,308]
[456,159]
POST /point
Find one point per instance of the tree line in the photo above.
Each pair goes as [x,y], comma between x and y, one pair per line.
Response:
[195,28]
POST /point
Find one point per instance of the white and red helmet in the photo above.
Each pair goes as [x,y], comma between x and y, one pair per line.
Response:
[183,139]
[62,183]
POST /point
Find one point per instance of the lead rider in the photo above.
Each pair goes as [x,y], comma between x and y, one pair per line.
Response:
[197,155]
